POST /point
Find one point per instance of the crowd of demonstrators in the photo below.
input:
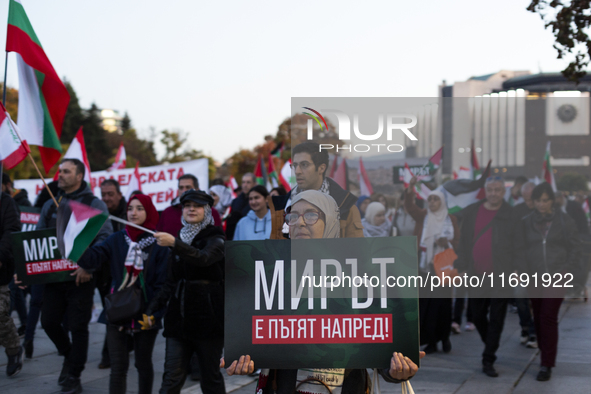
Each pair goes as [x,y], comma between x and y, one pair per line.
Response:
[9,223]
[135,260]
[362,204]
[375,223]
[71,299]
[313,214]
[436,231]
[309,165]
[256,224]
[547,241]
[222,198]
[239,206]
[402,221]
[194,292]
[513,194]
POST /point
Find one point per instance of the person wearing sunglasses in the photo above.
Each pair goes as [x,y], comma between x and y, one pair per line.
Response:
[315,215]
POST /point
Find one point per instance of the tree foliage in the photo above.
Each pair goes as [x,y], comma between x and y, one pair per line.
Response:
[569,22]
[174,141]
[572,182]
[74,116]
[95,139]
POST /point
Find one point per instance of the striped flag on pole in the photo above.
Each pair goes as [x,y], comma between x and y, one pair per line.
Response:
[12,150]
[77,150]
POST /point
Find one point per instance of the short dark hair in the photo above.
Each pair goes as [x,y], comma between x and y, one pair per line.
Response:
[542,188]
[112,182]
[318,157]
[260,189]
[520,180]
[280,190]
[217,181]
[192,178]
[79,166]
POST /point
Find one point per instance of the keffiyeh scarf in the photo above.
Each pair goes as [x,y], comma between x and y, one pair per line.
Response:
[134,261]
[189,231]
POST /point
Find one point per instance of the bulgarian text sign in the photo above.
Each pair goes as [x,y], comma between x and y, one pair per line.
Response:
[159,182]
[286,310]
[38,259]
[29,218]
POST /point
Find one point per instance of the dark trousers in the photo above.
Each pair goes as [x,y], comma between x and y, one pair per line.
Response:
[34,310]
[435,316]
[76,301]
[488,316]
[105,359]
[178,356]
[144,345]
[546,323]
[18,302]
[459,303]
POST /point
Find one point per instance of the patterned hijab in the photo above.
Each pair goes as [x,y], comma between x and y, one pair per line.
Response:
[190,231]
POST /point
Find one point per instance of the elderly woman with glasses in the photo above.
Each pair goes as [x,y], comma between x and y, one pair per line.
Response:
[315,215]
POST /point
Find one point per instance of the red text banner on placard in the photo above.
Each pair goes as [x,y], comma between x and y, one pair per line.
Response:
[47,267]
[305,329]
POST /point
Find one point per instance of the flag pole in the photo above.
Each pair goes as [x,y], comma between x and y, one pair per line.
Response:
[115,218]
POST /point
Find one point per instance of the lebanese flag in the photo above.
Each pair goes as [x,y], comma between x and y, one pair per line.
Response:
[135,182]
[272,173]
[43,98]
[286,176]
[77,226]
[120,159]
[364,183]
[548,173]
[77,150]
[341,175]
[475,170]
[13,149]
[421,190]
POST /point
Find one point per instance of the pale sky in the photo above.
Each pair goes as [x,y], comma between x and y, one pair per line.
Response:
[225,71]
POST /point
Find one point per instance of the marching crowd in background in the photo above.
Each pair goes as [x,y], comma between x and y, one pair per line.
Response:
[179,271]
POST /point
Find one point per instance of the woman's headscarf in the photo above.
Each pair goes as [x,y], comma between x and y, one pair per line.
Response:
[189,231]
[359,202]
[328,206]
[152,217]
[369,227]
[225,196]
[434,225]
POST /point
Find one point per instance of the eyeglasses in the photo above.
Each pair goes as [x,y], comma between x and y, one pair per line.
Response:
[310,218]
[303,165]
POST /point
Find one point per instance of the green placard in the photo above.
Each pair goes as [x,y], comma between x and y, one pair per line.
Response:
[283,321]
[38,259]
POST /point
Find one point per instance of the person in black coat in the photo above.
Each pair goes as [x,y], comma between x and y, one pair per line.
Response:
[194,320]
[547,245]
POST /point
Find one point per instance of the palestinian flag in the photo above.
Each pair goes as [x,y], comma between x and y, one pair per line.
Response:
[474,166]
[286,176]
[259,172]
[43,98]
[273,176]
[435,161]
[277,151]
[548,173]
[460,193]
[77,226]
[421,190]
[12,149]
[364,183]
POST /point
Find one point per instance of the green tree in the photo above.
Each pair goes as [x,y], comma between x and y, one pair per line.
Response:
[95,138]
[174,141]
[569,22]
[572,182]
[125,122]
[11,101]
[74,117]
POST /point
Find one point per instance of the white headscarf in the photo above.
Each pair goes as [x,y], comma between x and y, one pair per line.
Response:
[369,227]
[436,225]
[225,196]
[327,204]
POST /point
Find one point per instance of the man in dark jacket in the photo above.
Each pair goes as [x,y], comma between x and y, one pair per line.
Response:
[486,247]
[310,165]
[9,223]
[574,210]
[21,197]
[240,206]
[74,298]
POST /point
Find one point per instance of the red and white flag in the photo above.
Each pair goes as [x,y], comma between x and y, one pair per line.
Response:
[12,150]
[232,185]
[120,159]
[364,183]
[421,190]
[77,150]
[134,183]
[341,175]
[285,176]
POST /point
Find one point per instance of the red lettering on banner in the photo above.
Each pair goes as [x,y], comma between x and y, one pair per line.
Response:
[142,180]
[151,195]
[180,173]
[171,172]
[169,195]
[315,329]
[92,183]
[161,176]
[160,197]
[48,267]
[121,179]
[101,180]
[29,218]
[152,177]
[38,189]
